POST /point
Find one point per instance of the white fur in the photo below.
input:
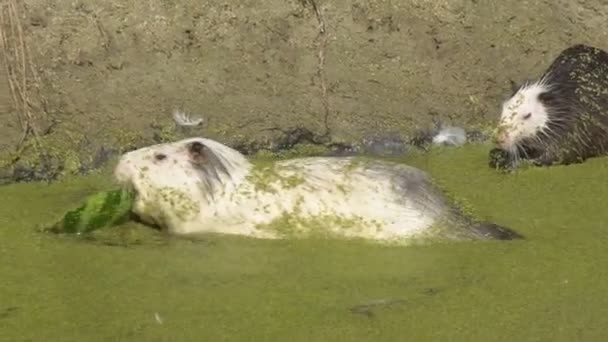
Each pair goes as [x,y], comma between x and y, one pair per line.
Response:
[454,136]
[514,126]
[382,202]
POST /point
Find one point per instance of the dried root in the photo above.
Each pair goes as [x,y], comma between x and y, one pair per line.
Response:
[22,75]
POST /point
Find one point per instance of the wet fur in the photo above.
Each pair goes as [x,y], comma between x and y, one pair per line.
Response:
[577,126]
[211,174]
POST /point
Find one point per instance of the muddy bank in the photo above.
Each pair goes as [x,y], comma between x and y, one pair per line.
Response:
[112,72]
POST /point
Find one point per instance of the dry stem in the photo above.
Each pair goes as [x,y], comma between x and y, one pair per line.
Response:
[18,61]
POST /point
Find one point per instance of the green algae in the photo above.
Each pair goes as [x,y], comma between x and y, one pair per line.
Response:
[165,131]
[66,152]
[267,178]
[298,150]
[184,206]
[293,225]
[134,283]
[50,155]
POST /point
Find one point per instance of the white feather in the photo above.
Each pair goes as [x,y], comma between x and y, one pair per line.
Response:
[453,136]
[183,119]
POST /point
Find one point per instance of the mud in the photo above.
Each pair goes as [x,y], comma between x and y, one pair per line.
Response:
[113,71]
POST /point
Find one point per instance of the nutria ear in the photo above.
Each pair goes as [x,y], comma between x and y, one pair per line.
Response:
[197,152]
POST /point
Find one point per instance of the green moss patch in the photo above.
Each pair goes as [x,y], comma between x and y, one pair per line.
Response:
[318,226]
[265,177]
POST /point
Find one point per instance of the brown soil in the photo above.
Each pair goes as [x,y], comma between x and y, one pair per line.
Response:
[112,71]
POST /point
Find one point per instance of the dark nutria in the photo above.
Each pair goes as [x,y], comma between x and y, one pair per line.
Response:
[561,118]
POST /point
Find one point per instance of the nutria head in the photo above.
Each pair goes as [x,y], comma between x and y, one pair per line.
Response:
[176,181]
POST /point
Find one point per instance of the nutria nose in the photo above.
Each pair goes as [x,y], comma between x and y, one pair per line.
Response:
[500,137]
[121,173]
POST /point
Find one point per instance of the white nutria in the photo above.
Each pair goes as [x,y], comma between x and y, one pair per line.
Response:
[199,185]
[562,117]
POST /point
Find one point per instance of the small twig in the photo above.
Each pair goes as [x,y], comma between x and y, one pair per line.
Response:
[7,63]
[322,37]
[107,41]
[319,16]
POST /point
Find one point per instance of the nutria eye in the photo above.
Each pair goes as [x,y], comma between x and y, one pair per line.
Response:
[527,116]
[160,156]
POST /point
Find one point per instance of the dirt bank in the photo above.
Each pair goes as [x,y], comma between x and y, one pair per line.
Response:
[113,71]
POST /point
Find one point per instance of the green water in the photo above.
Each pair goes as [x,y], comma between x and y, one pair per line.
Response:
[135,284]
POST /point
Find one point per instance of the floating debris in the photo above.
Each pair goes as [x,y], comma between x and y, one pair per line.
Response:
[367,308]
[157,317]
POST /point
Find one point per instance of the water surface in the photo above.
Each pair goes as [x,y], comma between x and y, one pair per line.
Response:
[136,284]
